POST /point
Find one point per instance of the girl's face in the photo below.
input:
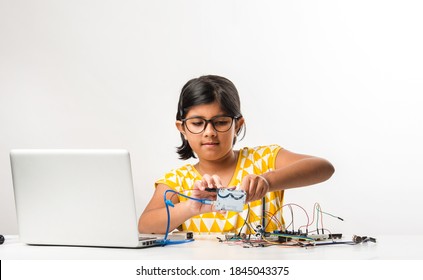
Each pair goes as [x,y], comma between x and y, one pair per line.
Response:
[209,144]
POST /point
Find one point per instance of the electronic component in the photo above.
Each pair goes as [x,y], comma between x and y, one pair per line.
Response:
[181,235]
[230,200]
[318,237]
[190,235]
[335,236]
[362,239]
[302,236]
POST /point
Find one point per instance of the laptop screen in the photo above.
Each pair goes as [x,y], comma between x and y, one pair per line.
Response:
[74,197]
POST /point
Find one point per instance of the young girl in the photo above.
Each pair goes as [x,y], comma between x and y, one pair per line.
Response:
[209,119]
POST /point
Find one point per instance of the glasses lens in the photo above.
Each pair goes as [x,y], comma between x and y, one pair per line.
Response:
[195,125]
[222,124]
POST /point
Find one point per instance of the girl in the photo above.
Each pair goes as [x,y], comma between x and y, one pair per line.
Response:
[209,120]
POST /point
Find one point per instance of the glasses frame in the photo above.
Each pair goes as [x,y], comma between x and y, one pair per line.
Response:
[207,121]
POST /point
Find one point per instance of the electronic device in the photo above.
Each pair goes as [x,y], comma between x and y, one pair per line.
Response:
[362,239]
[76,197]
[230,200]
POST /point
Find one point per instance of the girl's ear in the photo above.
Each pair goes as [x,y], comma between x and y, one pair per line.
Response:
[181,128]
[238,124]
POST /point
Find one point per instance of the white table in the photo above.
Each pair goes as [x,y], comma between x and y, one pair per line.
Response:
[389,247]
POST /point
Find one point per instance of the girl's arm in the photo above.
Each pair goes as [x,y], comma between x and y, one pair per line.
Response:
[154,218]
[296,170]
[291,171]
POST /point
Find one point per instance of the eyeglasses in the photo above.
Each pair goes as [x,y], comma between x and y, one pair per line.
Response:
[197,125]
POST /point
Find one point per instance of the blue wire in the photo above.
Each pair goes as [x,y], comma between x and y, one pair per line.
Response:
[165,242]
[168,203]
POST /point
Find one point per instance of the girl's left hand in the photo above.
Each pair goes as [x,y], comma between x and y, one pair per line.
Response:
[255,186]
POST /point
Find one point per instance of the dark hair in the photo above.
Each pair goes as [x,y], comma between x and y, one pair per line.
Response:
[206,90]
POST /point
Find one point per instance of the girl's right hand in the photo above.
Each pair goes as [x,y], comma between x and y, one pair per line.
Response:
[199,191]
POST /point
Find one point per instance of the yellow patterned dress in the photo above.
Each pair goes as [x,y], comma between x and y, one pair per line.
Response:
[258,160]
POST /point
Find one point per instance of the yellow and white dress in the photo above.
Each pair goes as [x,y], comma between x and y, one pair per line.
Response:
[258,160]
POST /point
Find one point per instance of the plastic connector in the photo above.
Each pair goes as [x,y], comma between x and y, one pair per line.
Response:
[169,202]
[208,202]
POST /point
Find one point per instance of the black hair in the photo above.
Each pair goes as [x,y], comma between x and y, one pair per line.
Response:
[206,90]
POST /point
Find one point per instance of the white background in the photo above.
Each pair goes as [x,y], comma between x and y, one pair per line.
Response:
[336,79]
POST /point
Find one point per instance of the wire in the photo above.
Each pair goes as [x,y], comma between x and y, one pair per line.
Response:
[331,215]
[316,207]
[293,204]
[263,211]
[168,203]
[252,229]
[308,220]
[274,219]
[292,217]
[245,221]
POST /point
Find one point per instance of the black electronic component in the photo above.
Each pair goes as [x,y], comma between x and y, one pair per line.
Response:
[1,239]
[190,235]
[357,239]
[283,239]
[335,236]
[371,239]
[362,239]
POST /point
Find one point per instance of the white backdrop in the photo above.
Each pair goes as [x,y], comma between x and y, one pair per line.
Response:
[337,79]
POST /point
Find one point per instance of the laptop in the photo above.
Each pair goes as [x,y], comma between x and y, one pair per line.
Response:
[76,198]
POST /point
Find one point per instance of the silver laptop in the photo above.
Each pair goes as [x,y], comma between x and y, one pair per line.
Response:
[76,198]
